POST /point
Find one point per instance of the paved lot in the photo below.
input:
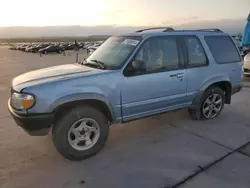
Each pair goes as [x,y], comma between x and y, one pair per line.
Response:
[168,150]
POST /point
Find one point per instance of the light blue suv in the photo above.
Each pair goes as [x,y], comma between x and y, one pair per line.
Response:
[128,77]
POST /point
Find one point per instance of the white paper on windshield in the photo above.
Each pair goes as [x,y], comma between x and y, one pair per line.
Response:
[131,42]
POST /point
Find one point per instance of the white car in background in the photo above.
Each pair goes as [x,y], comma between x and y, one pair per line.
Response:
[246,65]
[92,48]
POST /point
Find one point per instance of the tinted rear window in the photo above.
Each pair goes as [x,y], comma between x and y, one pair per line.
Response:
[223,49]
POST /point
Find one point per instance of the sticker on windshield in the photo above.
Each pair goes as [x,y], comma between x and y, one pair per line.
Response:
[131,42]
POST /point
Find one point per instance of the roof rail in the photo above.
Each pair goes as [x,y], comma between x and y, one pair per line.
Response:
[165,29]
[211,30]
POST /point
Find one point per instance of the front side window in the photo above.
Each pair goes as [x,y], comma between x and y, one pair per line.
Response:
[115,51]
[195,52]
[159,54]
[223,49]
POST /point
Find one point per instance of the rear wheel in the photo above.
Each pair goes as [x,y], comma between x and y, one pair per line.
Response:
[211,106]
[81,133]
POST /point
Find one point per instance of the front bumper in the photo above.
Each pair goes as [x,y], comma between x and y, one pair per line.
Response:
[247,71]
[33,124]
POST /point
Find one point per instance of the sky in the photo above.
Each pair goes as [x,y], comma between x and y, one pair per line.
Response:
[118,12]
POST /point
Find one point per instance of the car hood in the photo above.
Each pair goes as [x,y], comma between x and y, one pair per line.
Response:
[51,74]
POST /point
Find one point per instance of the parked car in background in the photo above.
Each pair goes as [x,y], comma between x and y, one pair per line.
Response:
[128,77]
[81,44]
[86,46]
[22,47]
[57,47]
[238,41]
[51,49]
[70,47]
[245,50]
[247,64]
[29,47]
[92,48]
[35,49]
[12,47]
[63,46]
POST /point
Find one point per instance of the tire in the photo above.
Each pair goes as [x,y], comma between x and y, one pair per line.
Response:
[45,52]
[63,137]
[215,106]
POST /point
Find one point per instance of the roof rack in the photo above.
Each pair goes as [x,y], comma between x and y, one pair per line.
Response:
[201,30]
[165,29]
[211,30]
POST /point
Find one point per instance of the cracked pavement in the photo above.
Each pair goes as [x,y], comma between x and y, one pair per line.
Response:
[167,150]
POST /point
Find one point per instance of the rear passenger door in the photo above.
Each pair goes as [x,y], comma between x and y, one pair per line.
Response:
[197,63]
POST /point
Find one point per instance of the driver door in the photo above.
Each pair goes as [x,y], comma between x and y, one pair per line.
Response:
[162,86]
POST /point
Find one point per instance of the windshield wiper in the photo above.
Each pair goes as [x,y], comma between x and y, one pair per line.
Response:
[85,63]
[96,64]
[99,63]
[82,62]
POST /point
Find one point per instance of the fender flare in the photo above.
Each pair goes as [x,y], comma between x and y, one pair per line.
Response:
[197,99]
[81,97]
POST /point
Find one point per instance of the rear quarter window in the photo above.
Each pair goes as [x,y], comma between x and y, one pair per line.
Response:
[223,49]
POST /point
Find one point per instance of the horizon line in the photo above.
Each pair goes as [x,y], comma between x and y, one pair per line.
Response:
[117,25]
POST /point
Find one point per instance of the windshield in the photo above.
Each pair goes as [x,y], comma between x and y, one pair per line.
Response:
[115,51]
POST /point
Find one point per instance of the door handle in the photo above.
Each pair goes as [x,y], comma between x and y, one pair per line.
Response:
[178,75]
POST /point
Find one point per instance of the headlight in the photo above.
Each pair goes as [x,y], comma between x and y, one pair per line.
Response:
[21,101]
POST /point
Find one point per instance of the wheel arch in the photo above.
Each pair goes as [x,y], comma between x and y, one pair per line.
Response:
[221,82]
[96,100]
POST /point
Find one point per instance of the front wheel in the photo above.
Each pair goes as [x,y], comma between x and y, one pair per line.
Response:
[81,133]
[212,104]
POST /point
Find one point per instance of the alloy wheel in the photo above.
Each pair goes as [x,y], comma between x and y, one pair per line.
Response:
[84,134]
[212,106]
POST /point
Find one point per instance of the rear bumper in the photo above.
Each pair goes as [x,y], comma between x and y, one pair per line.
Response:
[236,88]
[34,125]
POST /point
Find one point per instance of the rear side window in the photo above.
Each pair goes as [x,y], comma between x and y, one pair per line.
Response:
[195,52]
[223,49]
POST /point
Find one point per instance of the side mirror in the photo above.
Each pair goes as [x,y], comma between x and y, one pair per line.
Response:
[138,66]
